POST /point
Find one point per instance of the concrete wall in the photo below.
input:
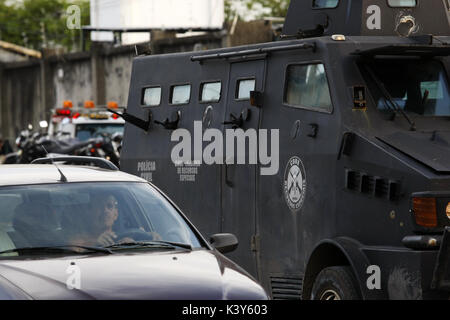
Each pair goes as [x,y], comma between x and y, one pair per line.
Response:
[19,97]
[72,81]
[117,78]
[6,56]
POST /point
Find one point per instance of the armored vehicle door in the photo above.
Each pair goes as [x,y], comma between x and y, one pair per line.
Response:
[295,203]
[239,179]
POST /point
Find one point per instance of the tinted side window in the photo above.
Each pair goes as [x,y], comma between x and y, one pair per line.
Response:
[325,4]
[180,94]
[402,3]
[210,92]
[152,97]
[307,87]
[244,87]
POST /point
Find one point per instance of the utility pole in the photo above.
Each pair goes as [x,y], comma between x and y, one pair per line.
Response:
[43,35]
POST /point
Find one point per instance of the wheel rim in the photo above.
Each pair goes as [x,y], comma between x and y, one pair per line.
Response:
[330,295]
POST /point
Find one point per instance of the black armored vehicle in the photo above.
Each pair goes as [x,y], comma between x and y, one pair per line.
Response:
[327,153]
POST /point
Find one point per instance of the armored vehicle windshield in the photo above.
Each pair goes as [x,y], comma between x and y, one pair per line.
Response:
[416,86]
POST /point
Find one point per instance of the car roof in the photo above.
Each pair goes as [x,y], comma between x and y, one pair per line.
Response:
[14,175]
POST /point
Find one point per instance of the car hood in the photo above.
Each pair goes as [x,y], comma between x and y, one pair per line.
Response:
[199,274]
[431,149]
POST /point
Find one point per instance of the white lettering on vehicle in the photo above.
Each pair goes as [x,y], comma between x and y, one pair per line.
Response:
[145,170]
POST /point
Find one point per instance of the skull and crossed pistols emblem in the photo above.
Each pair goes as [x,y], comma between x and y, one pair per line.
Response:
[294,183]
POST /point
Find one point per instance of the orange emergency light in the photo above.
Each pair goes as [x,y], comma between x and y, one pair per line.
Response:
[113,105]
[89,104]
[67,104]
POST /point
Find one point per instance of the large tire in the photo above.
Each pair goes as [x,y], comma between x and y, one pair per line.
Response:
[335,283]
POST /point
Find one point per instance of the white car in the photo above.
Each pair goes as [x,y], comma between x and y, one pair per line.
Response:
[85,232]
[85,123]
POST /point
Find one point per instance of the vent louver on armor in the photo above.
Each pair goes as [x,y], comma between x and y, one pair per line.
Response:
[286,288]
[381,188]
[353,180]
[367,184]
[371,185]
[394,190]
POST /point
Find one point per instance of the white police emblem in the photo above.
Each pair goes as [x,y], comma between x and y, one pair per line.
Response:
[295,184]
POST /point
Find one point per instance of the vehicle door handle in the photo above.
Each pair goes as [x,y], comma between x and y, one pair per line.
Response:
[346,144]
[314,129]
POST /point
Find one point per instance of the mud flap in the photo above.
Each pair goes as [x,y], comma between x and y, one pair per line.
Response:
[441,276]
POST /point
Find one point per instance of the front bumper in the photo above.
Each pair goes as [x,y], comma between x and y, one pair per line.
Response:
[441,275]
[408,274]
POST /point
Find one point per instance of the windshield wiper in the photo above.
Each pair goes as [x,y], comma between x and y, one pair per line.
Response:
[65,248]
[150,244]
[176,244]
[388,98]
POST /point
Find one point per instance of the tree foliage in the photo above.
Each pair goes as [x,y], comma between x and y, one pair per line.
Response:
[40,24]
[260,8]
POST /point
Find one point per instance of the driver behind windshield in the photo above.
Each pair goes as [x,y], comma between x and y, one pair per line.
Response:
[98,223]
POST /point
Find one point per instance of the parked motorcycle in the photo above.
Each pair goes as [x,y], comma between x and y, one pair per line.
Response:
[104,145]
[14,157]
[32,146]
[35,145]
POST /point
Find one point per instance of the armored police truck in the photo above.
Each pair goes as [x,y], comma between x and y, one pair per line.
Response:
[326,153]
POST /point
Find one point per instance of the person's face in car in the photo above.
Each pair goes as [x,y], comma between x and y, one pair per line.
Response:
[108,214]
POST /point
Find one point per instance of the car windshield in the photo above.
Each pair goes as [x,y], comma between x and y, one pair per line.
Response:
[420,87]
[95,215]
[87,131]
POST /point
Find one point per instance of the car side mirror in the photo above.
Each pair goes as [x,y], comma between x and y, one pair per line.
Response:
[224,242]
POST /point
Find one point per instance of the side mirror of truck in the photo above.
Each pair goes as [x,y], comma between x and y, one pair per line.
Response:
[224,242]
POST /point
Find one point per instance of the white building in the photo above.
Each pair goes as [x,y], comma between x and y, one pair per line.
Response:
[153,14]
